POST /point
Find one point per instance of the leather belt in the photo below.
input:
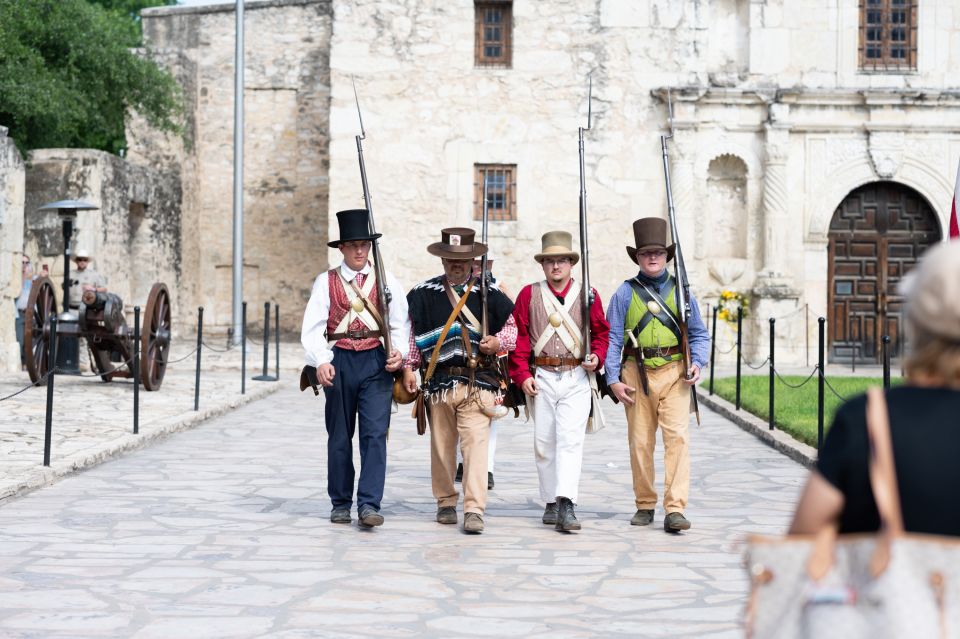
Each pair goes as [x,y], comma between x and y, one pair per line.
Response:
[649,353]
[556,361]
[357,334]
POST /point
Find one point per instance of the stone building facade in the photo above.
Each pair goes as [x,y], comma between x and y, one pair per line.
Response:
[803,177]
[286,100]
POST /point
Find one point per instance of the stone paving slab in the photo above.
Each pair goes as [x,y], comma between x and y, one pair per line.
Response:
[223,531]
[93,420]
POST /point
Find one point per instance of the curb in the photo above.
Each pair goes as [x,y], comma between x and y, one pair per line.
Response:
[159,431]
[776,439]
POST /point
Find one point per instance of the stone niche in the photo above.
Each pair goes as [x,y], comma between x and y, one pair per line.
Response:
[11,247]
[134,237]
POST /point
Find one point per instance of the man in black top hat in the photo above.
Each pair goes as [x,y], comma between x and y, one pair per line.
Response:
[342,330]
[464,388]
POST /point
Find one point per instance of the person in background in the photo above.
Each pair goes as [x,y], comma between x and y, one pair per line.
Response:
[22,300]
[924,427]
[85,278]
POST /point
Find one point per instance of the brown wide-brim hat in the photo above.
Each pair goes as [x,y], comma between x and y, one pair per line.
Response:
[557,244]
[457,243]
[649,233]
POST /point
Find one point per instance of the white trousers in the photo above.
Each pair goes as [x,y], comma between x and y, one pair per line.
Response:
[491,446]
[561,410]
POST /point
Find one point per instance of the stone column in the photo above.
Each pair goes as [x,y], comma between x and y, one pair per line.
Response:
[11,247]
[774,296]
[682,156]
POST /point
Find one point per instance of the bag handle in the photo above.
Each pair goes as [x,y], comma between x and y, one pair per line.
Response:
[883,483]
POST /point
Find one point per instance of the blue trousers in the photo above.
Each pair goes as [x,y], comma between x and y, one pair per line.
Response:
[361,388]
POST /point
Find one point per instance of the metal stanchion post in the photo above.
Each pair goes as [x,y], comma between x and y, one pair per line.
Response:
[51,371]
[243,351]
[886,361]
[136,370]
[196,383]
[264,377]
[821,321]
[713,347]
[806,331]
[773,323]
[276,329]
[739,346]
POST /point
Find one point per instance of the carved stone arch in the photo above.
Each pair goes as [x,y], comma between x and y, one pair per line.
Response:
[724,147]
[919,176]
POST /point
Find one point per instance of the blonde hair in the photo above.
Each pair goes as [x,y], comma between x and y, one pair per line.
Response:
[931,357]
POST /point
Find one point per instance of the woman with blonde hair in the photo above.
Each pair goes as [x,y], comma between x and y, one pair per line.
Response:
[924,418]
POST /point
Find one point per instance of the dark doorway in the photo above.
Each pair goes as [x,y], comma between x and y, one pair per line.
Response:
[876,236]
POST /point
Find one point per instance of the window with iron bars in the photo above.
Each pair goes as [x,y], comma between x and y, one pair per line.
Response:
[493,37]
[888,35]
[501,192]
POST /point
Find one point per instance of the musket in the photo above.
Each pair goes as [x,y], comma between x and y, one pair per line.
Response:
[679,273]
[484,315]
[588,295]
[383,291]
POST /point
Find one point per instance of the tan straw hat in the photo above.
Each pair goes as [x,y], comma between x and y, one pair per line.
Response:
[557,244]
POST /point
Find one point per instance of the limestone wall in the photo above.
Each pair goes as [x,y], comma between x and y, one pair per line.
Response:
[11,248]
[134,236]
[285,179]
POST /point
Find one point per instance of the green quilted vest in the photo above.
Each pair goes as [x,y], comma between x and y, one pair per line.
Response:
[654,333]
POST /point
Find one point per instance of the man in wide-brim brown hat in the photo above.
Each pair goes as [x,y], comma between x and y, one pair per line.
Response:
[462,381]
[645,354]
[343,327]
[550,366]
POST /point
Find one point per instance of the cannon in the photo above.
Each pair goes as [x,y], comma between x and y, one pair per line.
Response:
[102,324]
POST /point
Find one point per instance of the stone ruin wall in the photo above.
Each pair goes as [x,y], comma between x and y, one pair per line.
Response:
[286,161]
[134,236]
[11,247]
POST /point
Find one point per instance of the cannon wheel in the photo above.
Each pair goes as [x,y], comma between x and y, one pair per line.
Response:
[41,306]
[155,337]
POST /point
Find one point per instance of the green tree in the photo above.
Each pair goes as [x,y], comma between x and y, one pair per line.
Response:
[68,76]
[131,9]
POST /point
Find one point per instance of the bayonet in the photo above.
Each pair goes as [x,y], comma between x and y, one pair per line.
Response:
[588,295]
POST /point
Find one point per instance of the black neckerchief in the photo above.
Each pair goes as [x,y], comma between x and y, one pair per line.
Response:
[657,281]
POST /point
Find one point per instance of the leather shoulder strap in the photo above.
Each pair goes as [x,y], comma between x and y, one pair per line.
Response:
[666,316]
[443,334]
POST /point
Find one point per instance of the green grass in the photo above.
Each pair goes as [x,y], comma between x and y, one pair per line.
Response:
[795,410]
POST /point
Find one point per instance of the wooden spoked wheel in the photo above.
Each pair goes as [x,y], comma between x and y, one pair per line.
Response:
[155,337]
[37,340]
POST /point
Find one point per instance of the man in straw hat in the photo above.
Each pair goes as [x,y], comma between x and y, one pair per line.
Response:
[549,365]
[645,354]
[461,385]
[342,329]
[84,278]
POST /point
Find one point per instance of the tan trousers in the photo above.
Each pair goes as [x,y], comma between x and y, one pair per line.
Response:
[457,414]
[668,405]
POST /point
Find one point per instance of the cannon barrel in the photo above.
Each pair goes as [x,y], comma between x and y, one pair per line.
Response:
[94,300]
[103,311]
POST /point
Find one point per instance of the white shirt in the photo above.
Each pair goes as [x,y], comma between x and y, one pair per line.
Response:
[312,334]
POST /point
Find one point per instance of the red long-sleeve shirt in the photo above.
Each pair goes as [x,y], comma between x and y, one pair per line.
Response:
[519,363]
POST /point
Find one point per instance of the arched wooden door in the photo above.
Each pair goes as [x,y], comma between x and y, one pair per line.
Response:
[876,235]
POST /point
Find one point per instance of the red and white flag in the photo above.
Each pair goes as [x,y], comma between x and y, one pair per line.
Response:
[954,228]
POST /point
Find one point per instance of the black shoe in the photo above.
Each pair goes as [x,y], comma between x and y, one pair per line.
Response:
[642,518]
[550,514]
[459,477]
[446,515]
[490,483]
[370,517]
[340,516]
[675,522]
[566,518]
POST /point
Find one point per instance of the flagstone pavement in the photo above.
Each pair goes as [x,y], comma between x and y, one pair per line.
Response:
[222,531]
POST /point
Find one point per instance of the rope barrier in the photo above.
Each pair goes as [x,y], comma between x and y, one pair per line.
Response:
[176,361]
[759,366]
[832,389]
[218,350]
[112,370]
[801,384]
[26,388]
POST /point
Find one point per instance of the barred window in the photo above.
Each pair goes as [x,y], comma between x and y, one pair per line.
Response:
[493,37]
[501,192]
[888,35]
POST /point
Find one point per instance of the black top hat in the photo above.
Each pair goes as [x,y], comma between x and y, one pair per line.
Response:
[354,226]
[457,244]
[650,232]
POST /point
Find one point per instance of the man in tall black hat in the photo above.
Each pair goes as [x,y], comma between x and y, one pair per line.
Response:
[342,330]
[461,383]
[645,353]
